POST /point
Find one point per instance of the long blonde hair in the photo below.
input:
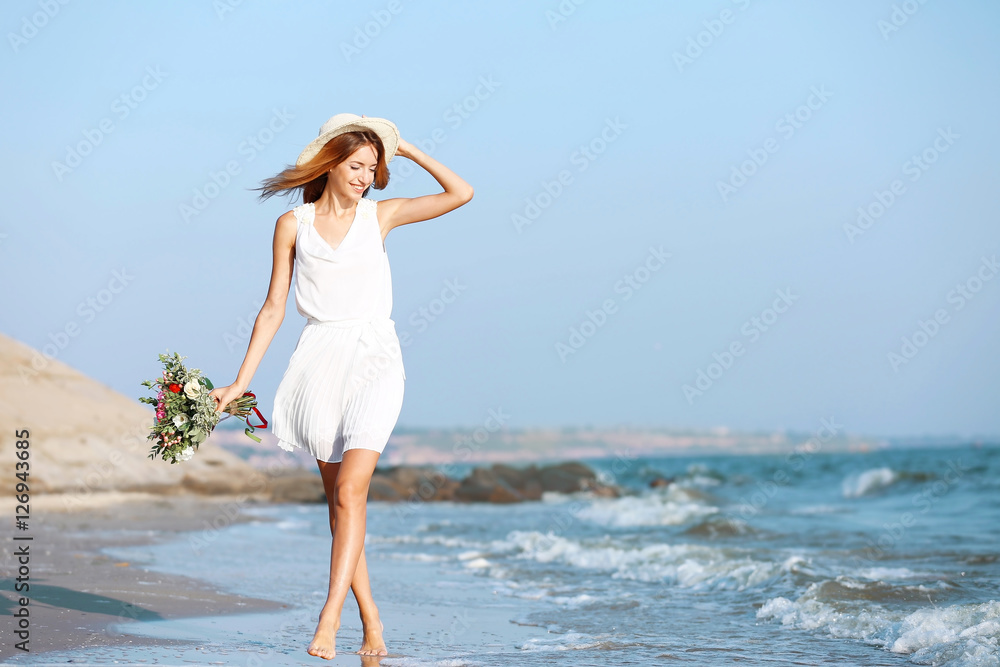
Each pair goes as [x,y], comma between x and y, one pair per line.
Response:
[311,177]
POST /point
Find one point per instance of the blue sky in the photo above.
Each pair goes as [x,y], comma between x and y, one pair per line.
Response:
[590,139]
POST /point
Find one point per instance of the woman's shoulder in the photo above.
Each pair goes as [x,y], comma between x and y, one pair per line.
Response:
[286,230]
[370,207]
[290,223]
[302,212]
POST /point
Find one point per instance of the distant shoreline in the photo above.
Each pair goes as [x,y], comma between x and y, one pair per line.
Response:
[409,446]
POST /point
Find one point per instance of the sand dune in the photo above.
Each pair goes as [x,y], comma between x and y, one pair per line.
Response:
[86,438]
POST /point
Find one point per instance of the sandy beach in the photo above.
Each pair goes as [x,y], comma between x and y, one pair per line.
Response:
[79,596]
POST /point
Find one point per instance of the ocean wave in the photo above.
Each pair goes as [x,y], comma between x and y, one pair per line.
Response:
[883,573]
[875,480]
[568,598]
[956,635]
[418,557]
[817,509]
[557,497]
[571,641]
[576,600]
[440,540]
[417,662]
[695,475]
[687,565]
[715,527]
[392,539]
[671,507]
[435,525]
[476,563]
[847,588]
[868,482]
[702,475]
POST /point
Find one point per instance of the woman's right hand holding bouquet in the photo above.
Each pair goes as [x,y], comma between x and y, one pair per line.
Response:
[225,395]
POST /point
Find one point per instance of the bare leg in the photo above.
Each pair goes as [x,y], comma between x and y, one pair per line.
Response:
[372,643]
[349,504]
[371,625]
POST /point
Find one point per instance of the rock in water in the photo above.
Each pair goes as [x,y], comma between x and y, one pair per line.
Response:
[484,485]
[406,482]
[504,483]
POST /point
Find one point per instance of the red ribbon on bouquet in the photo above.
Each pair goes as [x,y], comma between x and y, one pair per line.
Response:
[250,427]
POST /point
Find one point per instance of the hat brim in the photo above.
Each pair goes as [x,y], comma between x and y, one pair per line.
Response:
[385,129]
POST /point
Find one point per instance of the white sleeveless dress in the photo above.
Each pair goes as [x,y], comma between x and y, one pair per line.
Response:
[343,388]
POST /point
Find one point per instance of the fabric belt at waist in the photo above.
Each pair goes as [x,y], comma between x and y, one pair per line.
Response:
[353,322]
[378,338]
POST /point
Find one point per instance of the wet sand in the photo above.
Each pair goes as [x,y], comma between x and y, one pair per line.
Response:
[78,595]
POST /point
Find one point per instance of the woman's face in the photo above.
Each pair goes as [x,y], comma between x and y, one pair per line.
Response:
[352,176]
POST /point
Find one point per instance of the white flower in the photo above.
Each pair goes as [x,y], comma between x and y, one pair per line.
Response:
[185,454]
[192,389]
[180,420]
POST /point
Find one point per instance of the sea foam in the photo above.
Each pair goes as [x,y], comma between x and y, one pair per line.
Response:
[956,635]
[672,507]
[686,565]
[868,482]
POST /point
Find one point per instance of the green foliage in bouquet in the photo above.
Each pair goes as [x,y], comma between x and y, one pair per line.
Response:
[185,412]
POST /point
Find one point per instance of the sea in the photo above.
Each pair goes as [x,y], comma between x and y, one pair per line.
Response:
[888,557]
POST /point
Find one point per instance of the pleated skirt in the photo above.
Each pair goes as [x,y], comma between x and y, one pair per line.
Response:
[343,389]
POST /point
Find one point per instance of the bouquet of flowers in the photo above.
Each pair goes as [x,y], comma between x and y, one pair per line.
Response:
[185,412]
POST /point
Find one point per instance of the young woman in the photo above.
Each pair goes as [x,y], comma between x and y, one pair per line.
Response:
[343,389]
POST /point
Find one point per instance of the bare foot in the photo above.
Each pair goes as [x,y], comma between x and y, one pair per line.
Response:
[373,644]
[324,642]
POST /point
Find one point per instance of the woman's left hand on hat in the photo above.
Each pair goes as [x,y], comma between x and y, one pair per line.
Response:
[403,149]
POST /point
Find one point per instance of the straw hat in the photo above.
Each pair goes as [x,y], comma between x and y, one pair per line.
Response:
[349,122]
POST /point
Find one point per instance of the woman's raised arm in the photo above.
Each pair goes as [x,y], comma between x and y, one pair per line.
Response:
[404,210]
